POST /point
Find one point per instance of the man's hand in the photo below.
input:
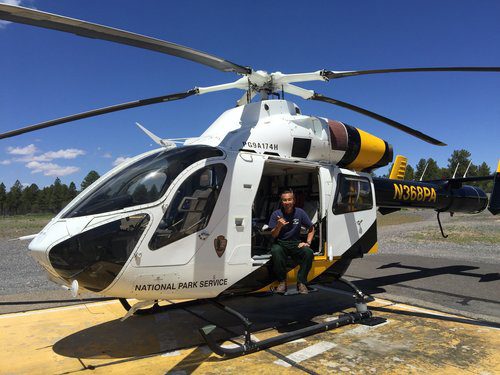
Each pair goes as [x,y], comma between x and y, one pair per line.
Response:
[302,244]
[281,222]
[277,229]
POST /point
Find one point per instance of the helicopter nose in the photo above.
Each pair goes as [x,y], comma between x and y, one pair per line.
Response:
[40,245]
[95,257]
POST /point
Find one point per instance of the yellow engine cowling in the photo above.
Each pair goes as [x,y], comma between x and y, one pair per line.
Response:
[363,151]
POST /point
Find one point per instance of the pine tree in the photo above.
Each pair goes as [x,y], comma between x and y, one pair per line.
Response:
[89,179]
[29,199]
[3,197]
[140,194]
[462,159]
[484,170]
[410,173]
[43,199]
[57,197]
[432,172]
[13,199]
[72,192]
[419,168]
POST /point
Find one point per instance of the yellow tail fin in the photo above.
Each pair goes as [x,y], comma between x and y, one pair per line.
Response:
[398,168]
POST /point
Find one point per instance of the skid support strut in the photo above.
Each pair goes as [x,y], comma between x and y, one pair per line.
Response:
[362,315]
[359,297]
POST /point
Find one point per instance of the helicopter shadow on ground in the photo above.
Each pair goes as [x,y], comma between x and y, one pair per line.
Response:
[142,336]
[374,285]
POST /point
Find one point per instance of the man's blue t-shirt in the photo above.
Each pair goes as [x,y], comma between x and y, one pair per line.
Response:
[296,219]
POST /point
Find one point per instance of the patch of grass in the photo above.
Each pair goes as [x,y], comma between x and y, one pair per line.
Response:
[400,217]
[460,234]
[22,225]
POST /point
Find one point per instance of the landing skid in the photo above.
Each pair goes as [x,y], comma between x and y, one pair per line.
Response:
[362,316]
[156,308]
[150,310]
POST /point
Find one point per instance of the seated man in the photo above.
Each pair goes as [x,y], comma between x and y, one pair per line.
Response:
[285,224]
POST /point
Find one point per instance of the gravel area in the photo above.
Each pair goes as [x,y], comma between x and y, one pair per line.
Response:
[25,286]
[423,238]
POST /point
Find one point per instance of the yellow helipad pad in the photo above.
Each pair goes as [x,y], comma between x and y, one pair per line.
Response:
[92,337]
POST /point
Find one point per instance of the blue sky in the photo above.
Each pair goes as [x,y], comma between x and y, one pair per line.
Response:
[47,74]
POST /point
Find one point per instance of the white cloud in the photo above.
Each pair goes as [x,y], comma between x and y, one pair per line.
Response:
[107,155]
[28,150]
[69,153]
[40,163]
[51,169]
[121,159]
[3,24]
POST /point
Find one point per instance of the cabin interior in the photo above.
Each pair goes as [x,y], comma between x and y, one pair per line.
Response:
[276,178]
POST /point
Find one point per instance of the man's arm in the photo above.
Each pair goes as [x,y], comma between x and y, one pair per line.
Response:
[280,223]
[310,236]
[306,221]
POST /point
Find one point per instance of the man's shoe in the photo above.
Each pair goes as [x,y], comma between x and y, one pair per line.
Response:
[302,289]
[281,288]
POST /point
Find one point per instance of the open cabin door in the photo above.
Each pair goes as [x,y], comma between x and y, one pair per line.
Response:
[351,225]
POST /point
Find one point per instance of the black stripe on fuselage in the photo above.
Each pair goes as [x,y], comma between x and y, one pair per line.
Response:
[263,276]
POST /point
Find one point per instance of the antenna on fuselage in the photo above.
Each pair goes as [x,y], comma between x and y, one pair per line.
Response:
[426,165]
[456,169]
[465,174]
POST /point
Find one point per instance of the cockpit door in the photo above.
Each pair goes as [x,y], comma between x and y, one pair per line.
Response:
[192,210]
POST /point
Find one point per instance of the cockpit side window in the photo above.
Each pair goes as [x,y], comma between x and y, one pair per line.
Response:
[191,207]
[143,182]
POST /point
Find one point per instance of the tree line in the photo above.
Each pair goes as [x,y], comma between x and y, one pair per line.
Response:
[21,200]
[460,158]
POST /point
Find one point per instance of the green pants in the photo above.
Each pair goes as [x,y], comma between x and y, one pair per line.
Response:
[303,256]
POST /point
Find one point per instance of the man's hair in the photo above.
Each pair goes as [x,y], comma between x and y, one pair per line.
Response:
[288,191]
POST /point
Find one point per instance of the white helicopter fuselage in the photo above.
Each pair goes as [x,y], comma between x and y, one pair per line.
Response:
[182,252]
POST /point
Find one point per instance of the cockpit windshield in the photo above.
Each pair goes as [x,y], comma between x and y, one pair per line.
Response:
[143,182]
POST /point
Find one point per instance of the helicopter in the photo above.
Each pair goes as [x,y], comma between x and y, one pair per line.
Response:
[190,222]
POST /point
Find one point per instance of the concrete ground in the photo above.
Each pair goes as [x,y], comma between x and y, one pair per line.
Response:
[91,337]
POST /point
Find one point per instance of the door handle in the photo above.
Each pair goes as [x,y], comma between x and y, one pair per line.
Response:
[203,235]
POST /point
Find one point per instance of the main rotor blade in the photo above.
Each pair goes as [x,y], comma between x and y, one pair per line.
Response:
[100,111]
[378,117]
[341,74]
[92,30]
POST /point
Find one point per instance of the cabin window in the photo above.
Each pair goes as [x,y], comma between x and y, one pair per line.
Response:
[191,206]
[353,194]
[143,182]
